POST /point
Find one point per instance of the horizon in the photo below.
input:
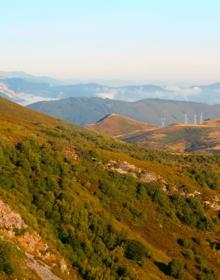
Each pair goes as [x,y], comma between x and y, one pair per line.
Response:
[110,82]
[149,41]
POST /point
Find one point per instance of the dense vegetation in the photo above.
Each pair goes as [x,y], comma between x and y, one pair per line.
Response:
[109,225]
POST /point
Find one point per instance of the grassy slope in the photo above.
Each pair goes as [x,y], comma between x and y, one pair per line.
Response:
[119,126]
[87,191]
[182,138]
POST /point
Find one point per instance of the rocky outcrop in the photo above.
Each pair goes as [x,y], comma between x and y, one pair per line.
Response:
[40,257]
[42,270]
[213,202]
[8,219]
[146,176]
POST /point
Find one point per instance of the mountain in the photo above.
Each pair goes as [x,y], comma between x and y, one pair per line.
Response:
[78,205]
[89,110]
[119,126]
[24,91]
[181,137]
[31,78]
[15,74]
[24,88]
[30,89]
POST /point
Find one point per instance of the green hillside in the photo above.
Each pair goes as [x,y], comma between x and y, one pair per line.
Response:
[104,208]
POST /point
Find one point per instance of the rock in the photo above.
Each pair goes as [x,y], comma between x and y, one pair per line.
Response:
[63,266]
[10,219]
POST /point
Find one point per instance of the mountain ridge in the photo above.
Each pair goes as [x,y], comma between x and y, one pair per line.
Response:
[83,110]
[118,126]
[25,85]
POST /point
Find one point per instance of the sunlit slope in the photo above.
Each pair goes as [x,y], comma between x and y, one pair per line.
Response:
[180,137]
[116,125]
[112,210]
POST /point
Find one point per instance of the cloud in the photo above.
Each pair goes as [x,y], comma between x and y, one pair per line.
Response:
[22,98]
[183,92]
[108,94]
[29,99]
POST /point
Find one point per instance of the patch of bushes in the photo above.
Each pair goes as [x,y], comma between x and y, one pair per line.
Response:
[190,212]
[176,269]
[184,242]
[134,250]
[9,258]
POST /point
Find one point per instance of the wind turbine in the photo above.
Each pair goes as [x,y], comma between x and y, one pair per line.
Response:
[201,119]
[186,119]
[195,118]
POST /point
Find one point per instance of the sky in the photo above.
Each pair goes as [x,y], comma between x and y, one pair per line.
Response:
[133,40]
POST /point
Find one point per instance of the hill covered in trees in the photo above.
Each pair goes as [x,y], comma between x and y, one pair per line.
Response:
[85,206]
[83,110]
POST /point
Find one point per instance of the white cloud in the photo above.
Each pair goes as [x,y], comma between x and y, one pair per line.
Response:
[22,98]
[29,99]
[107,94]
[183,92]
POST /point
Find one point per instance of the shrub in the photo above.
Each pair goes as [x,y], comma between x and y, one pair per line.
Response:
[176,269]
[134,250]
[184,242]
[5,259]
[188,254]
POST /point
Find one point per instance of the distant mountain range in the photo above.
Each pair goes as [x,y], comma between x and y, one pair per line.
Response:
[26,89]
[152,111]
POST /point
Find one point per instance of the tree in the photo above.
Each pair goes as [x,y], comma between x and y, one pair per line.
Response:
[134,250]
[176,269]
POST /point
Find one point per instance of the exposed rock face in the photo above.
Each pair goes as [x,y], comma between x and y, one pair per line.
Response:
[213,202]
[42,270]
[70,152]
[9,219]
[32,243]
[146,176]
[185,193]
[63,266]
[149,177]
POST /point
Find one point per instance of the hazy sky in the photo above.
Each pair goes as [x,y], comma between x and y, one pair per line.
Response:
[152,40]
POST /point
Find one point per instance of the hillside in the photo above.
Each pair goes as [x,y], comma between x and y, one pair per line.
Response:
[119,126]
[180,138]
[78,205]
[176,137]
[90,110]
